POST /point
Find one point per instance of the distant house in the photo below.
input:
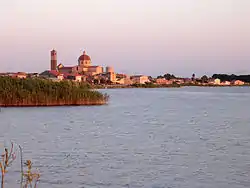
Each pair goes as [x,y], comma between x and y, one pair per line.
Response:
[108,77]
[122,76]
[238,82]
[63,69]
[21,75]
[226,83]
[123,79]
[94,70]
[140,79]
[163,81]
[187,80]
[52,75]
[33,75]
[111,76]
[6,74]
[178,81]
[120,81]
[217,81]
[74,76]
[60,77]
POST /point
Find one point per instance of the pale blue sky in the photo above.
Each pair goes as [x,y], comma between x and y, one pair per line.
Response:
[134,36]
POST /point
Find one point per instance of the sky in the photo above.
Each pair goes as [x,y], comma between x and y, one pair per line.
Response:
[149,37]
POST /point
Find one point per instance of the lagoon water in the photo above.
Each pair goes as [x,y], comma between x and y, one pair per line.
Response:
[153,138]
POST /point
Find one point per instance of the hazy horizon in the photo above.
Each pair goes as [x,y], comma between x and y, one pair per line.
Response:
[134,36]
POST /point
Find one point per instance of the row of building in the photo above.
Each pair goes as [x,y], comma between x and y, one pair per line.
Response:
[84,71]
[79,72]
[217,81]
[104,78]
[121,79]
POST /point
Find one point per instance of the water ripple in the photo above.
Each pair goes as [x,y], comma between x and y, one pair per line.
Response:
[188,137]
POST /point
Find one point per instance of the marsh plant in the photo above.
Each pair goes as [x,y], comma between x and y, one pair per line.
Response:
[39,92]
[7,158]
[29,179]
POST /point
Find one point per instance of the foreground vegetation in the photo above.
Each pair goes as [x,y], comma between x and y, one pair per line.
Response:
[29,178]
[38,92]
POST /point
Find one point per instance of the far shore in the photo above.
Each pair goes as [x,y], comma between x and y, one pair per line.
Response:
[159,86]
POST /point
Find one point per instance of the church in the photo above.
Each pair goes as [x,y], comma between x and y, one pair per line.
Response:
[84,66]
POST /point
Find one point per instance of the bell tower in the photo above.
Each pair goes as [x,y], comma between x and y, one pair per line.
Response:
[53,62]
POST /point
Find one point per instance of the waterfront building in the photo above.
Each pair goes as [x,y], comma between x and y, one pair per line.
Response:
[33,75]
[84,68]
[179,81]
[123,79]
[74,76]
[217,81]
[226,83]
[65,70]
[52,75]
[139,79]
[238,82]
[111,76]
[163,81]
[110,70]
[21,75]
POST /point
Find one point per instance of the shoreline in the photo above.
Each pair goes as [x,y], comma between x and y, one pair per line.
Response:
[169,86]
[89,103]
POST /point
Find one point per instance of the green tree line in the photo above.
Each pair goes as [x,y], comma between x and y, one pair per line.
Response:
[39,92]
[226,77]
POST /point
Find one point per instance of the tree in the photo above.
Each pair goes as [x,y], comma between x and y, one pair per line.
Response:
[193,77]
[160,77]
[204,79]
[169,76]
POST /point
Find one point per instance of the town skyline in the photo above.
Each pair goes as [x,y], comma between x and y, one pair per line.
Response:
[85,71]
[179,37]
[128,72]
[131,72]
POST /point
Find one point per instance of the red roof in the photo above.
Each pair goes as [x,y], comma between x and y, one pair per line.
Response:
[66,68]
[84,57]
[21,73]
[54,72]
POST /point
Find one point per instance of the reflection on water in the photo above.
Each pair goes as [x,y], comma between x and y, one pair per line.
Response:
[153,138]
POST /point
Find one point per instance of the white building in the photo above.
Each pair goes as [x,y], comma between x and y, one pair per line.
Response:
[217,81]
[140,79]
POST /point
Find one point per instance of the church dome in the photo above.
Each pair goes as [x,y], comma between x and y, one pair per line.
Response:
[84,57]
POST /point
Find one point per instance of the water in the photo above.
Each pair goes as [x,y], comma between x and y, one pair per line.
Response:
[152,138]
